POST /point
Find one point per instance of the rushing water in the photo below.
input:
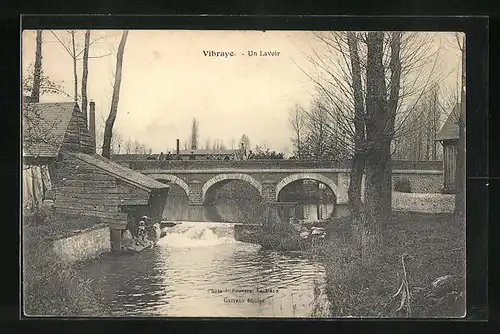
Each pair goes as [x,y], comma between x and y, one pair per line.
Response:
[198,269]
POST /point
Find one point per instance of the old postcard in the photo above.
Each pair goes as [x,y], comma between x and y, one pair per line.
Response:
[297,174]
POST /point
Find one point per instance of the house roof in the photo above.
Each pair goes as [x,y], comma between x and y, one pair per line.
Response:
[126,174]
[450,128]
[44,127]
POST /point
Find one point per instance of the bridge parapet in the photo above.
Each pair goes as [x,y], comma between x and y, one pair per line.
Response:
[142,164]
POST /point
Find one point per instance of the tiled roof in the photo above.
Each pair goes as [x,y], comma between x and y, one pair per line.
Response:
[450,128]
[44,127]
[121,172]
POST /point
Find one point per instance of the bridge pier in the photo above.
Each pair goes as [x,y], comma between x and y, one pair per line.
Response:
[196,210]
[268,191]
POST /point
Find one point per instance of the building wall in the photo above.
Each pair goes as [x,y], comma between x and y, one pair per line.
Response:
[81,188]
[85,245]
[449,167]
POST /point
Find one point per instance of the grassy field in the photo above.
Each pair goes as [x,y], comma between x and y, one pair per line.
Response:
[435,248]
[424,203]
[51,287]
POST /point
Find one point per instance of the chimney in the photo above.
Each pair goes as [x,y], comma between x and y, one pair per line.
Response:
[177,146]
[92,121]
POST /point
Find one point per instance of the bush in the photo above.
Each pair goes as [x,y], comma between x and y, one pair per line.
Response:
[402,185]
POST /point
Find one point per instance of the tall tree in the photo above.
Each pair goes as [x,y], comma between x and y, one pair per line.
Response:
[85,74]
[297,122]
[37,76]
[245,141]
[108,130]
[358,160]
[194,134]
[460,169]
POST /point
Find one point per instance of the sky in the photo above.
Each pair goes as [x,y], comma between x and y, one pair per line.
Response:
[167,81]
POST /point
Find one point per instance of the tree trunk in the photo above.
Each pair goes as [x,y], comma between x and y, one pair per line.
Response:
[75,75]
[37,77]
[460,166]
[381,115]
[85,74]
[372,216]
[358,161]
[108,130]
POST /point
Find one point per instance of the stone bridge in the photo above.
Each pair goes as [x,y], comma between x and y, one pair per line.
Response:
[199,178]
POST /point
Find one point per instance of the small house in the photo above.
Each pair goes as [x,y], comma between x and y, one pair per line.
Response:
[448,137]
[56,138]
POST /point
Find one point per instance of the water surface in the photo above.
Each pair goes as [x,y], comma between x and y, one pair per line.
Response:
[198,269]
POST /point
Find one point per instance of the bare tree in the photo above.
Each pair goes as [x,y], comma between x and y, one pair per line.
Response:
[358,160]
[108,132]
[460,169]
[297,122]
[37,76]
[37,128]
[85,74]
[69,40]
[246,142]
[370,84]
[128,146]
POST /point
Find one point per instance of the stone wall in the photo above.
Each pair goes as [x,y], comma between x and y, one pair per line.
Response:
[84,245]
[421,181]
[143,164]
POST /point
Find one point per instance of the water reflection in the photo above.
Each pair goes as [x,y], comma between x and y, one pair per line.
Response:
[200,270]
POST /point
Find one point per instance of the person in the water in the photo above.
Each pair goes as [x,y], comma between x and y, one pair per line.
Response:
[142,231]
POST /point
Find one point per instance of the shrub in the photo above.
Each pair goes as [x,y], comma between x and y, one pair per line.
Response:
[402,185]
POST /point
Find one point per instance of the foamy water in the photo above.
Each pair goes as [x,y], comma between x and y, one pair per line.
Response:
[189,235]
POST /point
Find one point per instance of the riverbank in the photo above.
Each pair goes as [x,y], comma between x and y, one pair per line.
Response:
[52,287]
[434,271]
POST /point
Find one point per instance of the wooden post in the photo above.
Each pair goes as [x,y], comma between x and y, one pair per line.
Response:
[116,239]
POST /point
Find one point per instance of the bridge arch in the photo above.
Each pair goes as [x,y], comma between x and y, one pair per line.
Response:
[174,179]
[304,176]
[222,177]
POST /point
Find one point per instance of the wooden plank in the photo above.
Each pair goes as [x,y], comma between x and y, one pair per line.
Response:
[130,201]
[88,190]
[85,195]
[99,214]
[91,176]
[76,195]
[126,188]
[117,225]
[91,207]
[88,183]
[98,201]
[81,170]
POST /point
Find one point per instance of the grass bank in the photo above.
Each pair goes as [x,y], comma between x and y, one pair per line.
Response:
[52,287]
[431,276]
